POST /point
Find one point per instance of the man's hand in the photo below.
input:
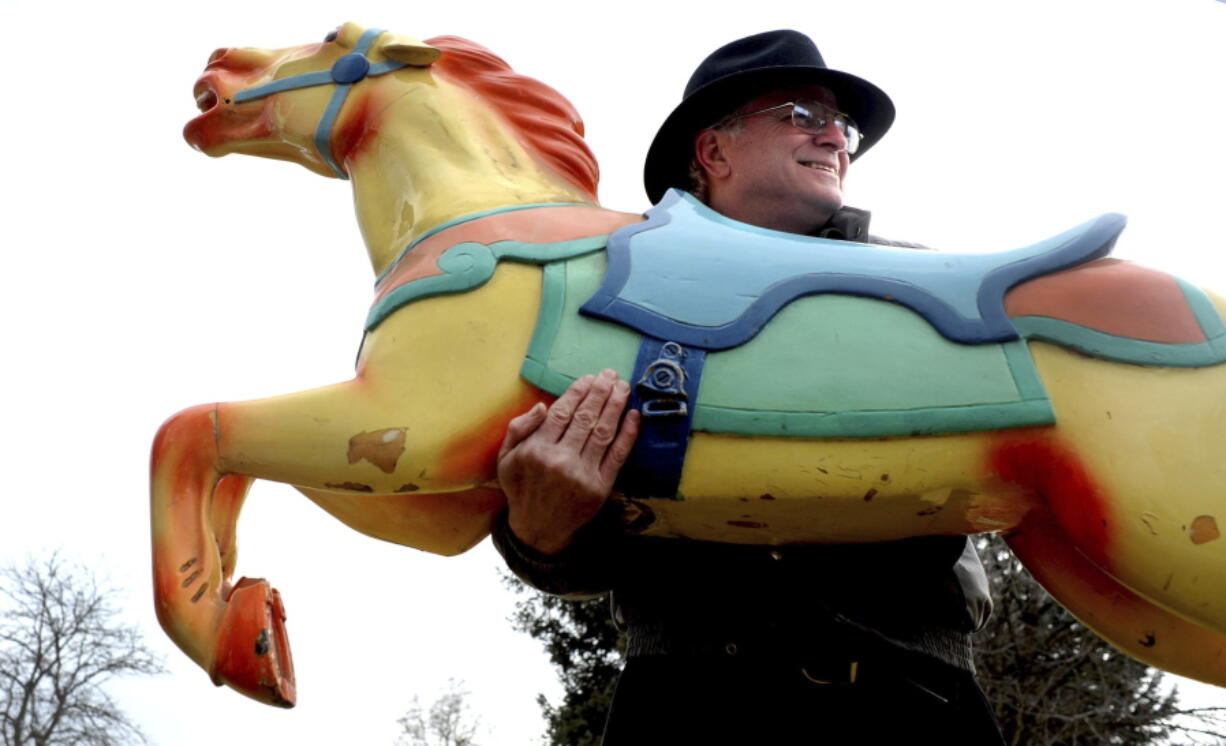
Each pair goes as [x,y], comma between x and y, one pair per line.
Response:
[557,466]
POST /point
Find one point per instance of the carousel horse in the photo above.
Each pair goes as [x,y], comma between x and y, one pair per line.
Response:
[1064,399]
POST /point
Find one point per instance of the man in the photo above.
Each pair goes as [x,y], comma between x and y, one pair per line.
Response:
[736,644]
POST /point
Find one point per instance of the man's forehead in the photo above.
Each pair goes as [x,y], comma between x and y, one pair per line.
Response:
[811,92]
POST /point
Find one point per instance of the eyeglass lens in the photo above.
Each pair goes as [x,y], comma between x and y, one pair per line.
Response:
[814,118]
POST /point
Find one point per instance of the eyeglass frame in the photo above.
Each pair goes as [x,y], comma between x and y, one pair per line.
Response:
[833,116]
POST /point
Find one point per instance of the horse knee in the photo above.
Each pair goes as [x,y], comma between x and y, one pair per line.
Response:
[192,430]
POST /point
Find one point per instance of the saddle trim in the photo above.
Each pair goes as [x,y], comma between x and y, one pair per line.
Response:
[1089,241]
[1106,346]
[466,219]
[468,266]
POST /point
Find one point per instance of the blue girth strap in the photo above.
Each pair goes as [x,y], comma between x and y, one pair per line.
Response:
[665,388]
[346,71]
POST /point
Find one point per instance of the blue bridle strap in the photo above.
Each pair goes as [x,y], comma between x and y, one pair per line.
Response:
[347,70]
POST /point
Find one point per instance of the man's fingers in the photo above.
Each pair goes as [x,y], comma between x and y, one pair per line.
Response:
[619,451]
[605,428]
[562,410]
[588,412]
[521,427]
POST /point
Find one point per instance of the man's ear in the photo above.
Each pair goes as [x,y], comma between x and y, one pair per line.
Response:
[709,150]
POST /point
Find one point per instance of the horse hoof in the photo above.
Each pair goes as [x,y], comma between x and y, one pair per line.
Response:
[252,648]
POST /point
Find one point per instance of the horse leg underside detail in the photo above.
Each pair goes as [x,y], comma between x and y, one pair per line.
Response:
[375,453]
[335,445]
[1129,622]
[235,632]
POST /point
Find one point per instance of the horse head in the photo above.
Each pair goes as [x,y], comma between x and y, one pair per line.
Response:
[456,130]
[290,103]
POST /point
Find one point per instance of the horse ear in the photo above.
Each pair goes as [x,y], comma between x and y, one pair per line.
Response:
[409,51]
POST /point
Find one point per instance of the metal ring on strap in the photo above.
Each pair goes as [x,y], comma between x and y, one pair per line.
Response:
[667,376]
[346,71]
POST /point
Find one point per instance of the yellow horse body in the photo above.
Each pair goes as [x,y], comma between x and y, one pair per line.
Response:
[1112,509]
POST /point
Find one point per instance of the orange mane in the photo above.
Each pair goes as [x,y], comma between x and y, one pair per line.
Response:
[542,119]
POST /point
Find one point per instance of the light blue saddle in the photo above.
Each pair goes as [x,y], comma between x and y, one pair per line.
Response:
[693,276]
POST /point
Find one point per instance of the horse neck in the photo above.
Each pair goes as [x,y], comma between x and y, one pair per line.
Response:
[417,170]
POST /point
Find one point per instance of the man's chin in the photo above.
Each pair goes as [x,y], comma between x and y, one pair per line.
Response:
[826,203]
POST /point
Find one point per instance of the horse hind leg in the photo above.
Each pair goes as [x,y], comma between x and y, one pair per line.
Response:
[1123,618]
[235,632]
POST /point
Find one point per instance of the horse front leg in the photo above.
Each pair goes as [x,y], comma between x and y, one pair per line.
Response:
[405,452]
[413,470]
[235,632]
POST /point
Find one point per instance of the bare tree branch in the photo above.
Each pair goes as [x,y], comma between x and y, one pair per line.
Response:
[448,722]
[60,643]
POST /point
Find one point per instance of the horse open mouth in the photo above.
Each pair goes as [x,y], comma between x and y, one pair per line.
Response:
[206,99]
[202,132]
[222,126]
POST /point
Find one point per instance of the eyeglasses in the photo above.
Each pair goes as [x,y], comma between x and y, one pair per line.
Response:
[811,117]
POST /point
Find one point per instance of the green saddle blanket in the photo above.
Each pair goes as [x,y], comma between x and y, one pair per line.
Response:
[828,366]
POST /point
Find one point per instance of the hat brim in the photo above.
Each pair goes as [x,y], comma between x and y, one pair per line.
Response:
[668,159]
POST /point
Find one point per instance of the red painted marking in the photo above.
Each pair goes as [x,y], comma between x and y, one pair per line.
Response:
[182,424]
[181,464]
[1048,553]
[165,584]
[355,131]
[544,122]
[185,444]
[472,459]
[253,653]
[456,507]
[1055,475]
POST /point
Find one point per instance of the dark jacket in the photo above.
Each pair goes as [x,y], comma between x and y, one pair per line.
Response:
[925,595]
[675,596]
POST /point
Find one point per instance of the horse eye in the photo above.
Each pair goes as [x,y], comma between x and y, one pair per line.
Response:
[330,37]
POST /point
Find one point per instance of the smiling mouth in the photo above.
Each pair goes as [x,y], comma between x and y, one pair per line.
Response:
[819,167]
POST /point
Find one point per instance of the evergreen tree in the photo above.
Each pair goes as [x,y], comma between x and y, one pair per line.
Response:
[586,648]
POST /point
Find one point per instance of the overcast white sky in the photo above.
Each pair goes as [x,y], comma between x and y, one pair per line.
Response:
[140,277]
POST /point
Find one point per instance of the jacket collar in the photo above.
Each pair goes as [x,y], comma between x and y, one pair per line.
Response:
[847,224]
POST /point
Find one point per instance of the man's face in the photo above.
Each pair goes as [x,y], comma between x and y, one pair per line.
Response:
[778,176]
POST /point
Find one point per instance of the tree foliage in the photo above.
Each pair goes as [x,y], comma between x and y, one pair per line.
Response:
[60,643]
[1051,681]
[448,722]
[586,648]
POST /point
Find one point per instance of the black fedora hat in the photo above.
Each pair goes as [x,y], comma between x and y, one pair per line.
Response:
[750,67]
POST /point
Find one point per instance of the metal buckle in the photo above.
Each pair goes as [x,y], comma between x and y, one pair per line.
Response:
[852,674]
[662,386]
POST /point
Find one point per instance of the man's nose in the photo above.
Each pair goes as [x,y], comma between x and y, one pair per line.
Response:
[831,136]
